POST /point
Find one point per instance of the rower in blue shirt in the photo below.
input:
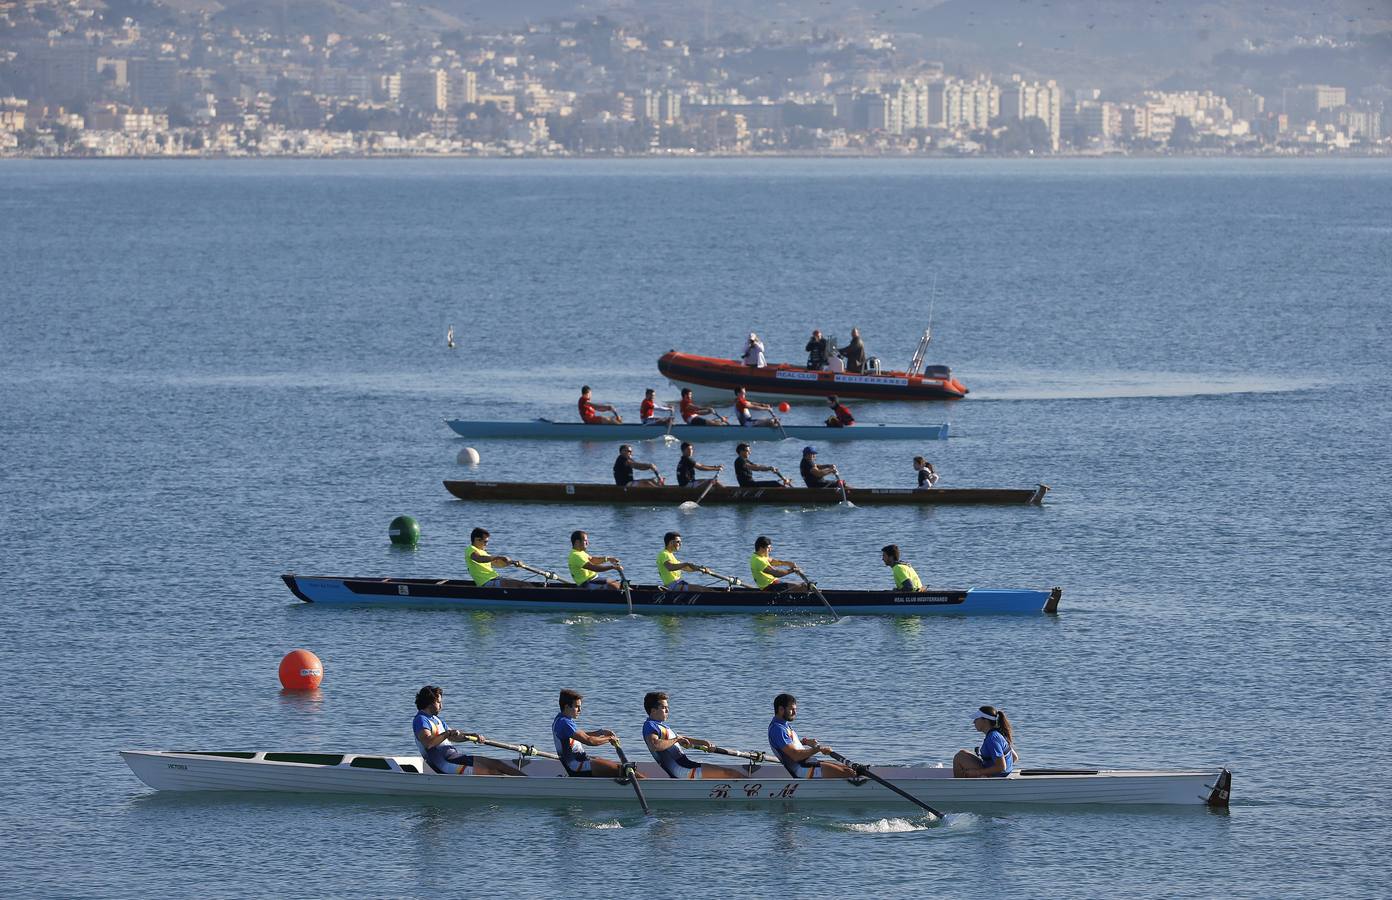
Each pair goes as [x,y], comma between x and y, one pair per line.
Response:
[666,745]
[795,753]
[996,756]
[435,741]
[571,740]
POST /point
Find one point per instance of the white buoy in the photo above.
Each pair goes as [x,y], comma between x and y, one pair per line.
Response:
[449,337]
[468,457]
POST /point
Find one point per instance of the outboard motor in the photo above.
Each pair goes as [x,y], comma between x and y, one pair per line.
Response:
[872,365]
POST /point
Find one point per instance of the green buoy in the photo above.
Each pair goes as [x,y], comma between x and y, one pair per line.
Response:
[404,531]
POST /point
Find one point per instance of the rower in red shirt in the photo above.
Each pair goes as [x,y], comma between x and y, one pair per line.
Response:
[840,416]
[648,410]
[589,410]
[744,409]
[696,415]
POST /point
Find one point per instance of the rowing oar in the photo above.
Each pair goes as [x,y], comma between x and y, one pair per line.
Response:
[627,588]
[699,497]
[779,422]
[519,749]
[861,769]
[728,579]
[549,576]
[630,773]
[841,483]
[755,756]
[817,592]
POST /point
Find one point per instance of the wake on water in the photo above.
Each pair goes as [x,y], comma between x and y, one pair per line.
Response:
[904,826]
[1110,385]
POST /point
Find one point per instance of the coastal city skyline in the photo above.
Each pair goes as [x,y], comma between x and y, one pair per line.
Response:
[154,80]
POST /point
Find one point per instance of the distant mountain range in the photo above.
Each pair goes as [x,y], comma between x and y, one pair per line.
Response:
[1122,44]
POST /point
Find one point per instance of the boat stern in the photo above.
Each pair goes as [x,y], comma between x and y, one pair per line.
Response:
[1221,791]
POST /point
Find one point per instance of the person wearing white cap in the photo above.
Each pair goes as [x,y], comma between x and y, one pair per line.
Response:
[754,352]
[996,755]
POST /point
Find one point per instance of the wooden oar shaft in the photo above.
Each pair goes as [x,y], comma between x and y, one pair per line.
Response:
[817,592]
[729,579]
[865,770]
[521,749]
[710,484]
[756,756]
[631,776]
[549,576]
[627,589]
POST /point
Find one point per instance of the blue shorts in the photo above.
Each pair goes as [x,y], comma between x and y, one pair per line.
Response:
[452,761]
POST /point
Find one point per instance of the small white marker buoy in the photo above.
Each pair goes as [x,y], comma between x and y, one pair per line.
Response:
[468,457]
[449,337]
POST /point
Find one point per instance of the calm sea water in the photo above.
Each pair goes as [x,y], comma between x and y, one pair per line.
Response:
[213,373]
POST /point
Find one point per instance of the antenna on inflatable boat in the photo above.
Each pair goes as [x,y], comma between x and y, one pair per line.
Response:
[921,354]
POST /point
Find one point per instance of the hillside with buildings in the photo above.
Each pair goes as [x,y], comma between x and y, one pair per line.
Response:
[331,77]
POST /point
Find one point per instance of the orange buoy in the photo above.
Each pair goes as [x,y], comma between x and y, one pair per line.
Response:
[784,406]
[301,670]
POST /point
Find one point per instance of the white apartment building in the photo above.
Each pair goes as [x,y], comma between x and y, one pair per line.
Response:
[954,103]
[1032,100]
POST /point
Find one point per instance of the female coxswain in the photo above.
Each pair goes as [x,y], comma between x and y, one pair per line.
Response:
[996,755]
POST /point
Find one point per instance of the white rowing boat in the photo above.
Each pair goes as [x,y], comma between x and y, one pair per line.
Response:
[405,776]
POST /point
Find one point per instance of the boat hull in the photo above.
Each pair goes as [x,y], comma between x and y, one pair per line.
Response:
[545,429]
[790,382]
[661,495]
[402,776]
[648,599]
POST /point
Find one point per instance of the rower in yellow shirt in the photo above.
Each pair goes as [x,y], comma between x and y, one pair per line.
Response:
[766,570]
[481,563]
[670,569]
[585,569]
[905,578]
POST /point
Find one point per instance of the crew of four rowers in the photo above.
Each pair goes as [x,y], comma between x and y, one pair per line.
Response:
[995,756]
[587,570]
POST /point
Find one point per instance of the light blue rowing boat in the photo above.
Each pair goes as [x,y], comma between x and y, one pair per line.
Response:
[546,429]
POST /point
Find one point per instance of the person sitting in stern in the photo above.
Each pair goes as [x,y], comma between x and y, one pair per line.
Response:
[996,755]
[905,578]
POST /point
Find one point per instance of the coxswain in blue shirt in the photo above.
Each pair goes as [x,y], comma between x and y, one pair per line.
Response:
[797,753]
[571,740]
[996,756]
[434,741]
[666,745]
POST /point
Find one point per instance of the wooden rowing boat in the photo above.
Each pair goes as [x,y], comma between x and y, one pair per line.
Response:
[559,492]
[406,776]
[546,429]
[783,381]
[464,594]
